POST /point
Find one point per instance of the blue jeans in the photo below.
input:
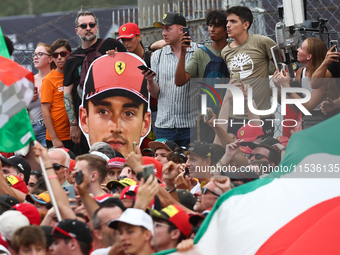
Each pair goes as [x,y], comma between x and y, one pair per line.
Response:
[39,129]
[181,136]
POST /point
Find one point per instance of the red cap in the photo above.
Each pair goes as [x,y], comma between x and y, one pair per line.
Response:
[245,149]
[157,166]
[16,182]
[249,133]
[116,162]
[29,211]
[128,30]
[129,192]
[72,164]
[3,241]
[116,76]
[177,216]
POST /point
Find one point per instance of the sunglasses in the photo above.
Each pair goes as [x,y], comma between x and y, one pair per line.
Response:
[204,191]
[39,54]
[57,166]
[84,25]
[257,156]
[62,54]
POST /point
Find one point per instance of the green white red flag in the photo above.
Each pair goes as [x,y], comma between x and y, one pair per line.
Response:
[294,211]
[16,92]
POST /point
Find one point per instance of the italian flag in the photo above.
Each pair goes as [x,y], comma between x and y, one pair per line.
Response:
[293,211]
[16,92]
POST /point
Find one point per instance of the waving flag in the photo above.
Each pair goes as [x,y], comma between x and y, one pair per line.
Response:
[296,211]
[16,92]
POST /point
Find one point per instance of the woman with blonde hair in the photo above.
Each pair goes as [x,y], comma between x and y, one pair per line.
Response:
[43,62]
[311,54]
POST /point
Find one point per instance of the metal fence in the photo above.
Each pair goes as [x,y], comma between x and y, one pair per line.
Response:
[265,17]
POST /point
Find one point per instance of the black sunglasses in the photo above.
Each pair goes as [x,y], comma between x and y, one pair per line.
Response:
[62,54]
[84,25]
[257,156]
[57,166]
[204,190]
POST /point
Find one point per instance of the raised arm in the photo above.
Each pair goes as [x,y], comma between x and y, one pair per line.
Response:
[75,132]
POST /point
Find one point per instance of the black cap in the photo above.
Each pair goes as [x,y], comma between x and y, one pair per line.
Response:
[111,200]
[186,198]
[171,18]
[270,141]
[20,163]
[203,149]
[74,228]
[11,201]
[48,234]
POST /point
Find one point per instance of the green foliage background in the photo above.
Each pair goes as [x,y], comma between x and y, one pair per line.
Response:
[21,7]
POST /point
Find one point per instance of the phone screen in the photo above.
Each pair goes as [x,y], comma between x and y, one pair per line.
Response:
[147,171]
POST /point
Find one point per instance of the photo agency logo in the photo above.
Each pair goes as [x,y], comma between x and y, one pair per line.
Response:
[239,102]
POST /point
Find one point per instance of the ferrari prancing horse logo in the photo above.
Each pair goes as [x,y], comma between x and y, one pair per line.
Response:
[120,67]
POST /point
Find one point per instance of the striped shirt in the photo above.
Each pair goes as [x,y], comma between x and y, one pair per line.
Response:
[175,104]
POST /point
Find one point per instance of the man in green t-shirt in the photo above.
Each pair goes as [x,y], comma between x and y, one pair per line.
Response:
[216,22]
[249,55]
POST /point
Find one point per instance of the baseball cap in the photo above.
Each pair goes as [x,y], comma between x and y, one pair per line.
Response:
[129,192]
[111,200]
[171,18]
[116,76]
[128,30]
[42,198]
[157,166]
[30,211]
[176,215]
[20,163]
[135,217]
[203,149]
[163,144]
[124,183]
[8,199]
[248,134]
[10,221]
[270,141]
[195,217]
[283,140]
[186,198]
[72,228]
[17,183]
[116,162]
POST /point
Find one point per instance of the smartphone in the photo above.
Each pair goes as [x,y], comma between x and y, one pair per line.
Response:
[35,90]
[208,114]
[147,171]
[236,76]
[79,177]
[145,68]
[71,193]
[332,43]
[275,50]
[186,172]
[186,30]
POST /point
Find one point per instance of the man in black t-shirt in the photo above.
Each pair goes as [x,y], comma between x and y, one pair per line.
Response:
[86,29]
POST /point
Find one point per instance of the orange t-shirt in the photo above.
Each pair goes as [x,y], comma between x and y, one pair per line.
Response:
[52,91]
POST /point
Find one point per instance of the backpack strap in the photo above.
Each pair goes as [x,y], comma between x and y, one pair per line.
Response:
[147,58]
[76,55]
[211,55]
[100,45]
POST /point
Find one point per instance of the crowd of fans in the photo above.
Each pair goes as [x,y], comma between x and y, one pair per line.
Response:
[98,160]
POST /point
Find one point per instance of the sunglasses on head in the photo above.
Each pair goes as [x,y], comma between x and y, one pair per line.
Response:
[257,156]
[84,25]
[57,166]
[204,191]
[62,54]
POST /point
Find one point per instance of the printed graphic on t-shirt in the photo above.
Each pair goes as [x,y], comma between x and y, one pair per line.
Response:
[243,64]
[61,88]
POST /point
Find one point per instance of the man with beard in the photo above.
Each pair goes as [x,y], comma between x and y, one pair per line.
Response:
[87,29]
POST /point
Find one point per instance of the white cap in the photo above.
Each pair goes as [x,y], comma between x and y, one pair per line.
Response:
[10,221]
[3,249]
[135,217]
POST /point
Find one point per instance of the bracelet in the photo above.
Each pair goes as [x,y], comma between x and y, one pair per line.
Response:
[53,176]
